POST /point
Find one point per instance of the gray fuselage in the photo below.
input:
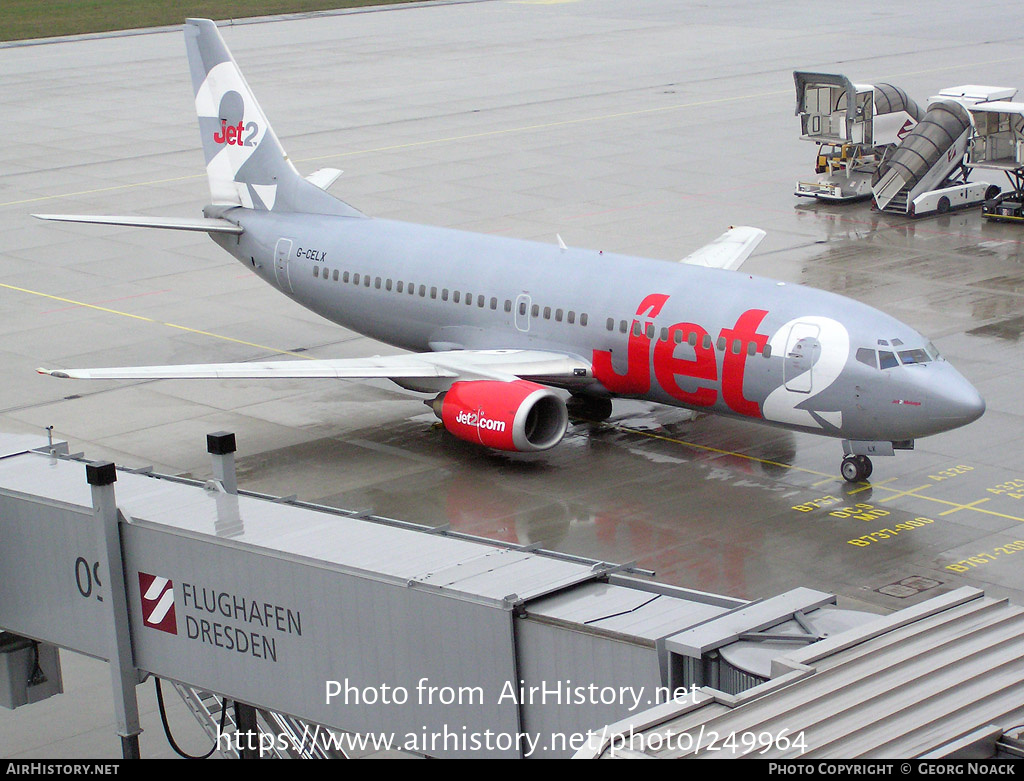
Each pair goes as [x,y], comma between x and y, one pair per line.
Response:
[705,339]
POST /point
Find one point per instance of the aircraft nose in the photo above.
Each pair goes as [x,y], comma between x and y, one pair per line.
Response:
[956,400]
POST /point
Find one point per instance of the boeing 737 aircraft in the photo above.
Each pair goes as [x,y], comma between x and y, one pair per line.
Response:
[496,323]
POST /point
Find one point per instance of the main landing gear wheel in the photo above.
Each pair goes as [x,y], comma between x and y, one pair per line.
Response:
[856,469]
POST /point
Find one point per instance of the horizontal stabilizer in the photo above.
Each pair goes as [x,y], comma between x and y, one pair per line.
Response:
[203,224]
[324,177]
[728,251]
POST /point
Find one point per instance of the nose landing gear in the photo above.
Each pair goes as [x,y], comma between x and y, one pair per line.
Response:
[856,469]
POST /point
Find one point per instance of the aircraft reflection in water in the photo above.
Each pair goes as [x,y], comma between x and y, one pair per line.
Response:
[497,323]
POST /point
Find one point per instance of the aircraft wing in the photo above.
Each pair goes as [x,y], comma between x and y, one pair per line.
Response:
[505,365]
[728,251]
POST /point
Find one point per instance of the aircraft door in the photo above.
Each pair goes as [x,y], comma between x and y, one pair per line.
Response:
[282,253]
[523,312]
[803,349]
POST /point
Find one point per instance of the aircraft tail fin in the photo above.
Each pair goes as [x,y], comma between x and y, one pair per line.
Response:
[245,163]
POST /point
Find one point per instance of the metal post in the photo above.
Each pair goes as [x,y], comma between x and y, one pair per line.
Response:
[221,447]
[124,676]
[245,725]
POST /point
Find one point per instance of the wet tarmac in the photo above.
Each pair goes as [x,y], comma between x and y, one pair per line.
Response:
[638,128]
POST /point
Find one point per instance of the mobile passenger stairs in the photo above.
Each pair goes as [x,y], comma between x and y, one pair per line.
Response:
[927,171]
[852,135]
[998,144]
[911,163]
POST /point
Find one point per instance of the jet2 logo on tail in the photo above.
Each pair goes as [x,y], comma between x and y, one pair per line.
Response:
[231,135]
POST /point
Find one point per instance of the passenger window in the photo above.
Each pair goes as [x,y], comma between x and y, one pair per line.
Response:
[678,337]
[366,281]
[522,307]
[547,313]
[583,319]
[444,294]
[610,324]
[376,283]
[398,287]
[737,346]
[355,279]
[494,303]
[456,297]
[707,341]
[335,275]
[691,339]
[623,327]
[535,310]
[387,284]
[558,315]
[867,357]
[751,349]
[433,293]
[570,317]
[345,277]
[508,305]
[316,271]
[721,344]
[767,351]
[638,329]
[886,360]
[423,291]
[480,301]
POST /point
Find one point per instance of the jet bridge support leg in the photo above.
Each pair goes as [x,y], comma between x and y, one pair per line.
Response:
[124,675]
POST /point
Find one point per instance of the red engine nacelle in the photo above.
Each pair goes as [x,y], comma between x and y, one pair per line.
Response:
[520,415]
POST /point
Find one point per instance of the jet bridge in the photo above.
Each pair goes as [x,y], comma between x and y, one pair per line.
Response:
[854,125]
[437,642]
[321,624]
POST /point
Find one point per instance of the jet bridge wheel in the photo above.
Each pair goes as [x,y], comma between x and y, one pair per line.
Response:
[855,469]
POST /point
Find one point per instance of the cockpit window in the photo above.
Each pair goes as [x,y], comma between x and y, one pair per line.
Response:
[933,353]
[914,356]
[886,360]
[868,356]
